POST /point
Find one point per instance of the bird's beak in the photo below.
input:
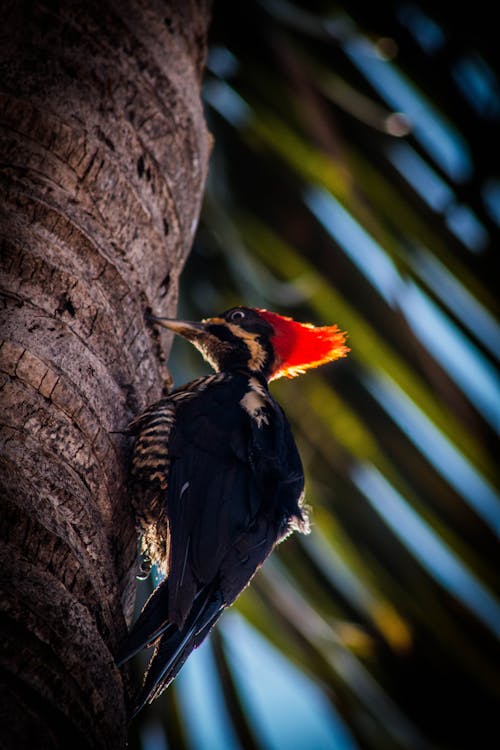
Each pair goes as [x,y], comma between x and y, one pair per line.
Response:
[190,330]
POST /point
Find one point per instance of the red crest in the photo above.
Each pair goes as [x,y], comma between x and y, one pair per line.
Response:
[301,346]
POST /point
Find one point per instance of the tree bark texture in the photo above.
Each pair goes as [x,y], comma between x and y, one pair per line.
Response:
[104,152]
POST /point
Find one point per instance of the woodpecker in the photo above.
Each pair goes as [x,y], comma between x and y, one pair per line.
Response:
[217,478]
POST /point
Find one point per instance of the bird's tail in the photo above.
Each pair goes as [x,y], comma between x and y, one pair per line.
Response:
[173,645]
[149,626]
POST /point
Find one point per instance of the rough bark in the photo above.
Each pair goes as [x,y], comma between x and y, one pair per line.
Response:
[104,153]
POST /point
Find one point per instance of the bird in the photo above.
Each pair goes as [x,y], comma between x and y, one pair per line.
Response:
[217,481]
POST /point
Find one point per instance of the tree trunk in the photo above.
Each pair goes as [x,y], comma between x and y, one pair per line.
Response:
[104,153]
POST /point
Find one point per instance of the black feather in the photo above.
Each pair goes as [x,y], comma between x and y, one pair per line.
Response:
[175,645]
[232,490]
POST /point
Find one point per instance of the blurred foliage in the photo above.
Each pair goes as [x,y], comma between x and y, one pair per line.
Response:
[355,180]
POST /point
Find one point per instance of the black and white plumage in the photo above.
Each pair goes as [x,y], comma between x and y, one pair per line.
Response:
[217,483]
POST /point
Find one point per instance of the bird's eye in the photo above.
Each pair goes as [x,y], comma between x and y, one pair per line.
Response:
[237,315]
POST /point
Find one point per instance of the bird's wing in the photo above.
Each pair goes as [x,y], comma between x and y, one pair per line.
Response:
[234,489]
[279,477]
[212,493]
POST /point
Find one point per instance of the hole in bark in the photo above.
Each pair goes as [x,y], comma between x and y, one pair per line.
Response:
[104,138]
[65,305]
[165,285]
[148,174]
[169,25]
[166,227]
[140,166]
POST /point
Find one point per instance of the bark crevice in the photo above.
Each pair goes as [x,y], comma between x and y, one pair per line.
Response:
[103,156]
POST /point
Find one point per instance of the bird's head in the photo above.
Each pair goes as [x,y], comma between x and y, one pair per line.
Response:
[263,342]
